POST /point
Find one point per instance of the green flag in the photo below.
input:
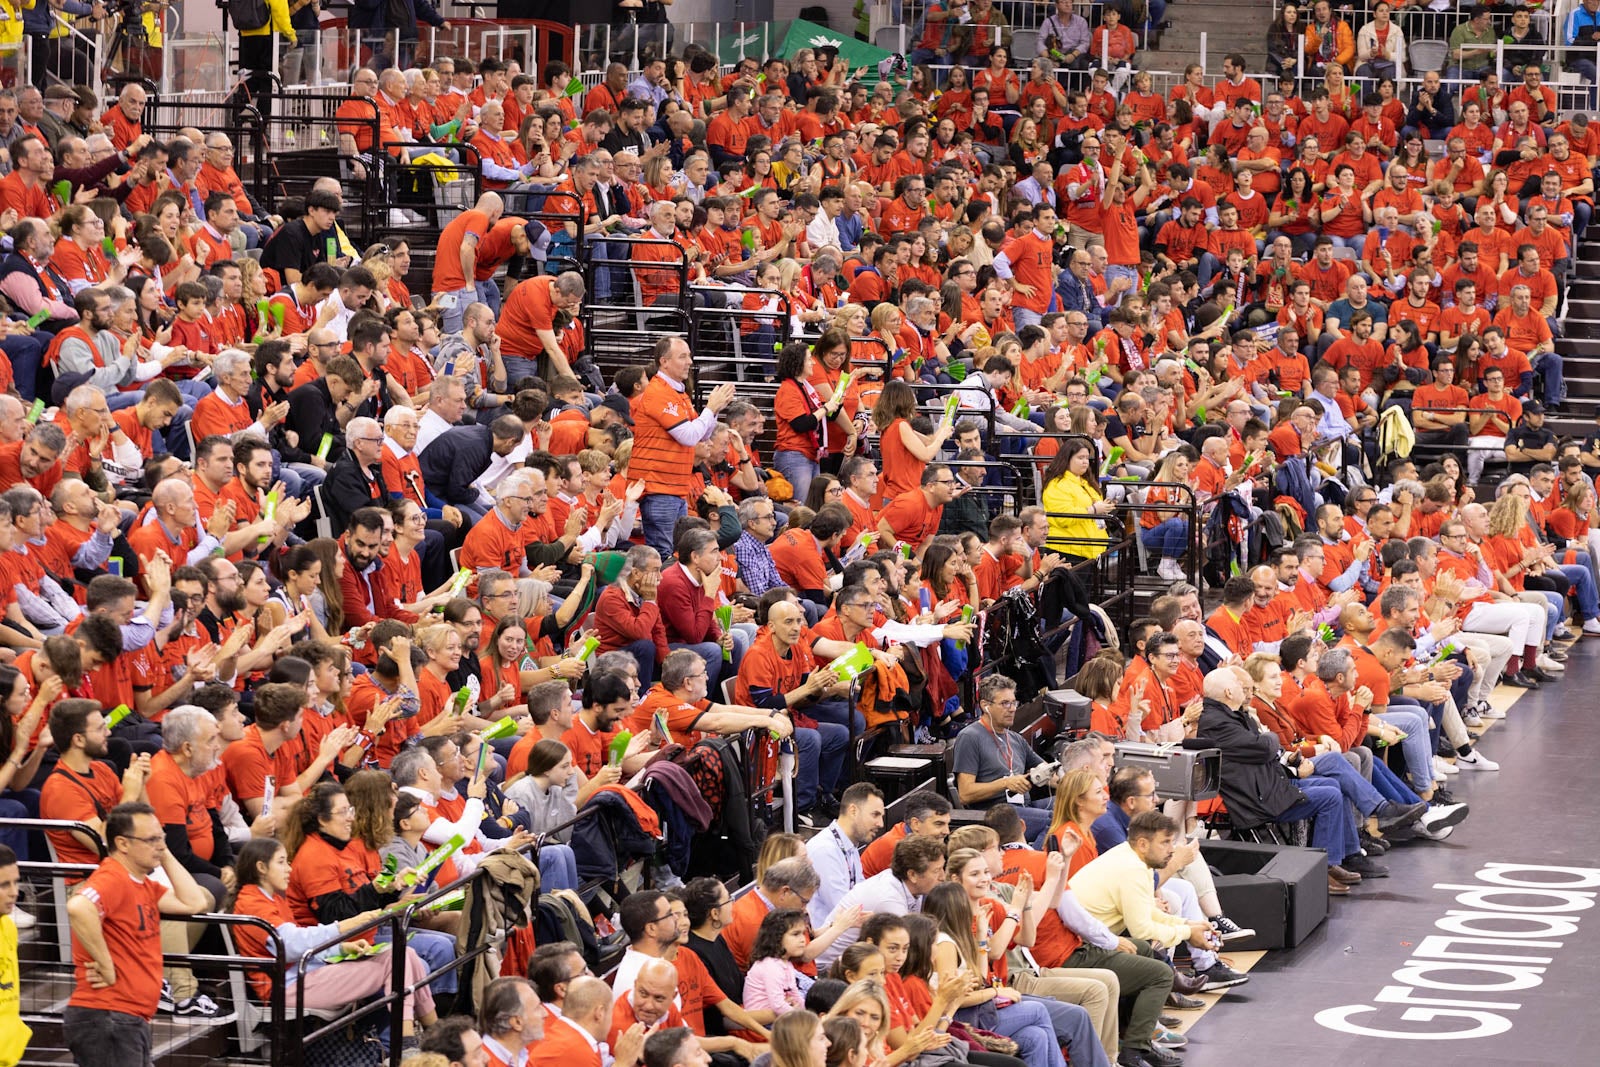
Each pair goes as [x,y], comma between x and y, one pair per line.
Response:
[852,52]
[737,41]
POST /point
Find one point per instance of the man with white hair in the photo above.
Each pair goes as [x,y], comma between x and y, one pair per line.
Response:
[178,790]
[356,481]
[224,411]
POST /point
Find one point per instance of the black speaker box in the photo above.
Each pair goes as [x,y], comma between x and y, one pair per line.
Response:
[1279,891]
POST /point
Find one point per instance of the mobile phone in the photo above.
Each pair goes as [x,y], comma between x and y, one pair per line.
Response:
[114,566]
[269,789]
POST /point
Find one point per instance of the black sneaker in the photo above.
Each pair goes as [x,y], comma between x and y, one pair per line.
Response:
[1374,846]
[1365,867]
[1229,930]
[1390,814]
[1220,976]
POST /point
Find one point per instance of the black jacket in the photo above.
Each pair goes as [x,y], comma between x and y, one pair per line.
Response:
[1255,785]
[347,489]
[312,414]
[454,460]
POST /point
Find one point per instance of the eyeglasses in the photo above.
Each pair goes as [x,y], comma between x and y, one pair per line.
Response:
[154,839]
[1004,705]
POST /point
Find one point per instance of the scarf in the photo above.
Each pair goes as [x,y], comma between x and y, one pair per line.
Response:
[814,402]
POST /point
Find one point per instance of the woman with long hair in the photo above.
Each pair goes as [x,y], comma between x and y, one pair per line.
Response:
[1167,530]
[825,489]
[798,1040]
[1026,146]
[1291,213]
[331,872]
[777,848]
[904,451]
[1283,41]
[327,602]
[551,792]
[356,970]
[808,426]
[948,580]
[502,659]
[1073,502]
[1080,800]
[998,1007]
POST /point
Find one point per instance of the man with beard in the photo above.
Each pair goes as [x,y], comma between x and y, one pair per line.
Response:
[476,348]
[607,699]
[191,748]
[993,761]
[84,784]
[271,748]
[320,409]
[252,482]
[32,461]
[835,853]
[363,543]
[467,620]
[369,344]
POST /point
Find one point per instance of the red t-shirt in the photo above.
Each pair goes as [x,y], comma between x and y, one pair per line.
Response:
[130,922]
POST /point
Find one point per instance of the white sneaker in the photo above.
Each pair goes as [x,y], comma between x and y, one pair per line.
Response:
[23,920]
[397,217]
[1476,761]
[1443,766]
[1592,627]
[1171,570]
[1489,711]
[1550,666]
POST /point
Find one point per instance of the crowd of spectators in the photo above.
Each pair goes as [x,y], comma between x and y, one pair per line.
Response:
[284,541]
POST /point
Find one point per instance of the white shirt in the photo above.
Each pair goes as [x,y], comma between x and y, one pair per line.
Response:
[627,971]
[882,892]
[429,426]
[340,323]
[837,861]
[822,231]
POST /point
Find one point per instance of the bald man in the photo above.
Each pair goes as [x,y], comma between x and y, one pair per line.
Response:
[650,1002]
[576,1037]
[1253,784]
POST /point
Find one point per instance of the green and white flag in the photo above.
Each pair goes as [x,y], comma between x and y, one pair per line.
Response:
[852,52]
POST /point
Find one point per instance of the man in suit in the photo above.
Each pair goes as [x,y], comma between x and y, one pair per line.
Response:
[1256,778]
[459,456]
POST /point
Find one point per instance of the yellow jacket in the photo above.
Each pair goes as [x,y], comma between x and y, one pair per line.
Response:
[14,1033]
[1078,537]
[277,22]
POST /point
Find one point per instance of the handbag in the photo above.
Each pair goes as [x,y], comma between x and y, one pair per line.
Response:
[980,1040]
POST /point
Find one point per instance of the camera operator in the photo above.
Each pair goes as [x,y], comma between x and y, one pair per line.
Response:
[991,760]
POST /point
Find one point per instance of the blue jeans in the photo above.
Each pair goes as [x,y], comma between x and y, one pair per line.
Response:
[1390,785]
[437,950]
[450,322]
[558,867]
[488,292]
[1030,1026]
[1416,748]
[1549,368]
[798,468]
[1583,583]
[518,368]
[658,514]
[1333,828]
[1117,270]
[26,354]
[1035,822]
[819,759]
[1074,1029]
[1356,789]
[1171,536]
[1021,317]
[840,712]
[16,838]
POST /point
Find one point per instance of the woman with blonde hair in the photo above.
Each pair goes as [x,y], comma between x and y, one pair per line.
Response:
[1080,800]
[778,847]
[798,1041]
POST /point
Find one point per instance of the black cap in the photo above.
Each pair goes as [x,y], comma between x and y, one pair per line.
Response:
[1533,407]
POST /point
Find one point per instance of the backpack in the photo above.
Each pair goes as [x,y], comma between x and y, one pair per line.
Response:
[248,14]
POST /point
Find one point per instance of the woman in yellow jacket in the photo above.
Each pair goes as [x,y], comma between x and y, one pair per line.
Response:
[1070,488]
